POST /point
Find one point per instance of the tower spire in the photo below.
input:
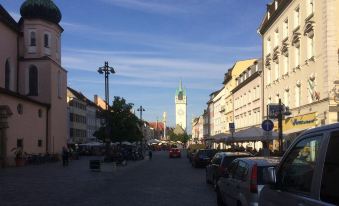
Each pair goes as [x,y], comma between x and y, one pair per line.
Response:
[180,85]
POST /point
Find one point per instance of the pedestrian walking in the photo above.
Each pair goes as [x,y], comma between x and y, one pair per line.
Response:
[150,154]
[65,156]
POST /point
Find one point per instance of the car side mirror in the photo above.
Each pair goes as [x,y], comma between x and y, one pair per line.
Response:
[270,176]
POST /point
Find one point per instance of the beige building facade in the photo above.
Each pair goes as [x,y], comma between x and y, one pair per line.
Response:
[247,97]
[230,83]
[32,81]
[300,56]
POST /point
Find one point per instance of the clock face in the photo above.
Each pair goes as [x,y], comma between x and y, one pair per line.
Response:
[180,112]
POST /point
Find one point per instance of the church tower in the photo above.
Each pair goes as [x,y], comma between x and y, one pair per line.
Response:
[181,107]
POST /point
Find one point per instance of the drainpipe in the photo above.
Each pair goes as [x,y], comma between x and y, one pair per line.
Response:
[47,142]
[17,62]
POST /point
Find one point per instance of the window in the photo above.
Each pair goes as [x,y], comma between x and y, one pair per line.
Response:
[296,173]
[286,98]
[276,5]
[310,7]
[329,186]
[297,55]
[276,37]
[39,143]
[46,40]
[285,29]
[33,81]
[241,172]
[276,68]
[19,143]
[286,63]
[296,17]
[268,77]
[268,45]
[40,113]
[310,46]
[297,95]
[32,41]
[20,109]
[7,75]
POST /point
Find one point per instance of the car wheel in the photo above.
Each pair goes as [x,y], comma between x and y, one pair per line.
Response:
[215,181]
[220,202]
[207,180]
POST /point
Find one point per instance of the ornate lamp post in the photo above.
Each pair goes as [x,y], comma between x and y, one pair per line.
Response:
[106,70]
[141,109]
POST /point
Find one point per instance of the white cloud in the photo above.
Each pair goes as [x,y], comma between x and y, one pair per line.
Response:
[148,6]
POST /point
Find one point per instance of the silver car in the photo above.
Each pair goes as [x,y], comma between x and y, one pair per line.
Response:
[308,173]
[242,184]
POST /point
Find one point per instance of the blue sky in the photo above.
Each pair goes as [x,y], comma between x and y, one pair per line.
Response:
[152,44]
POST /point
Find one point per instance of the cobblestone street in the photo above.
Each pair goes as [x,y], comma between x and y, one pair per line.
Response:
[161,181]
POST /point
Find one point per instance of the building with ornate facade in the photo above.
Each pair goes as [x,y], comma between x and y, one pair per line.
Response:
[33,83]
[301,55]
[247,97]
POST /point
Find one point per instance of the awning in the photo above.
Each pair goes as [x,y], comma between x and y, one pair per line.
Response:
[253,134]
[222,137]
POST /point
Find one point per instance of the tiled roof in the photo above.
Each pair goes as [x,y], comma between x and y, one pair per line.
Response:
[7,19]
[154,125]
[273,14]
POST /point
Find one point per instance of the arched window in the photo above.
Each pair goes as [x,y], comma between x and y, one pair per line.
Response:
[7,75]
[46,40]
[32,39]
[33,81]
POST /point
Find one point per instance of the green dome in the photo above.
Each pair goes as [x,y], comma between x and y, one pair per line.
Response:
[41,9]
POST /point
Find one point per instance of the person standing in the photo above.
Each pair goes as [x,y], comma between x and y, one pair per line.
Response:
[64,156]
[150,154]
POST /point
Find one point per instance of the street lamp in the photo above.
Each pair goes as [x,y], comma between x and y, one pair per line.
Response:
[106,70]
[141,109]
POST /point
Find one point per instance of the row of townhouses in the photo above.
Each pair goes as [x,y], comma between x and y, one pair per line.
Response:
[299,66]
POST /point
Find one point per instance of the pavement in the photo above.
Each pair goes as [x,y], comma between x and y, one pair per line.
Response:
[160,181]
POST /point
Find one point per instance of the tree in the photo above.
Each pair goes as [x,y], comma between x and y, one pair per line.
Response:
[179,137]
[121,124]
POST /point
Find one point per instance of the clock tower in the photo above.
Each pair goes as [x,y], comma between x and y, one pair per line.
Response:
[181,107]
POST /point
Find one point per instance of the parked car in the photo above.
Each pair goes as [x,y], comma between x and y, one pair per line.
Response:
[242,182]
[203,157]
[174,152]
[308,173]
[219,163]
[192,148]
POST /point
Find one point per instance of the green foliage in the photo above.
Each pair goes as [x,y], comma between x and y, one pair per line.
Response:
[179,137]
[121,124]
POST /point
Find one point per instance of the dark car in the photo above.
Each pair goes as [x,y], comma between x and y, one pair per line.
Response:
[203,157]
[308,173]
[219,163]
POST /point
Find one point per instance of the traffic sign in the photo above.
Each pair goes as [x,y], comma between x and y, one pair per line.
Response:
[267,125]
[232,127]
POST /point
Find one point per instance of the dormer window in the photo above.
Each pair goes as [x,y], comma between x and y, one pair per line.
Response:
[32,41]
[276,5]
[268,15]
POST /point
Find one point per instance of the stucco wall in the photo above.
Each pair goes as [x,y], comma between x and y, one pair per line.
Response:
[8,42]
[27,126]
